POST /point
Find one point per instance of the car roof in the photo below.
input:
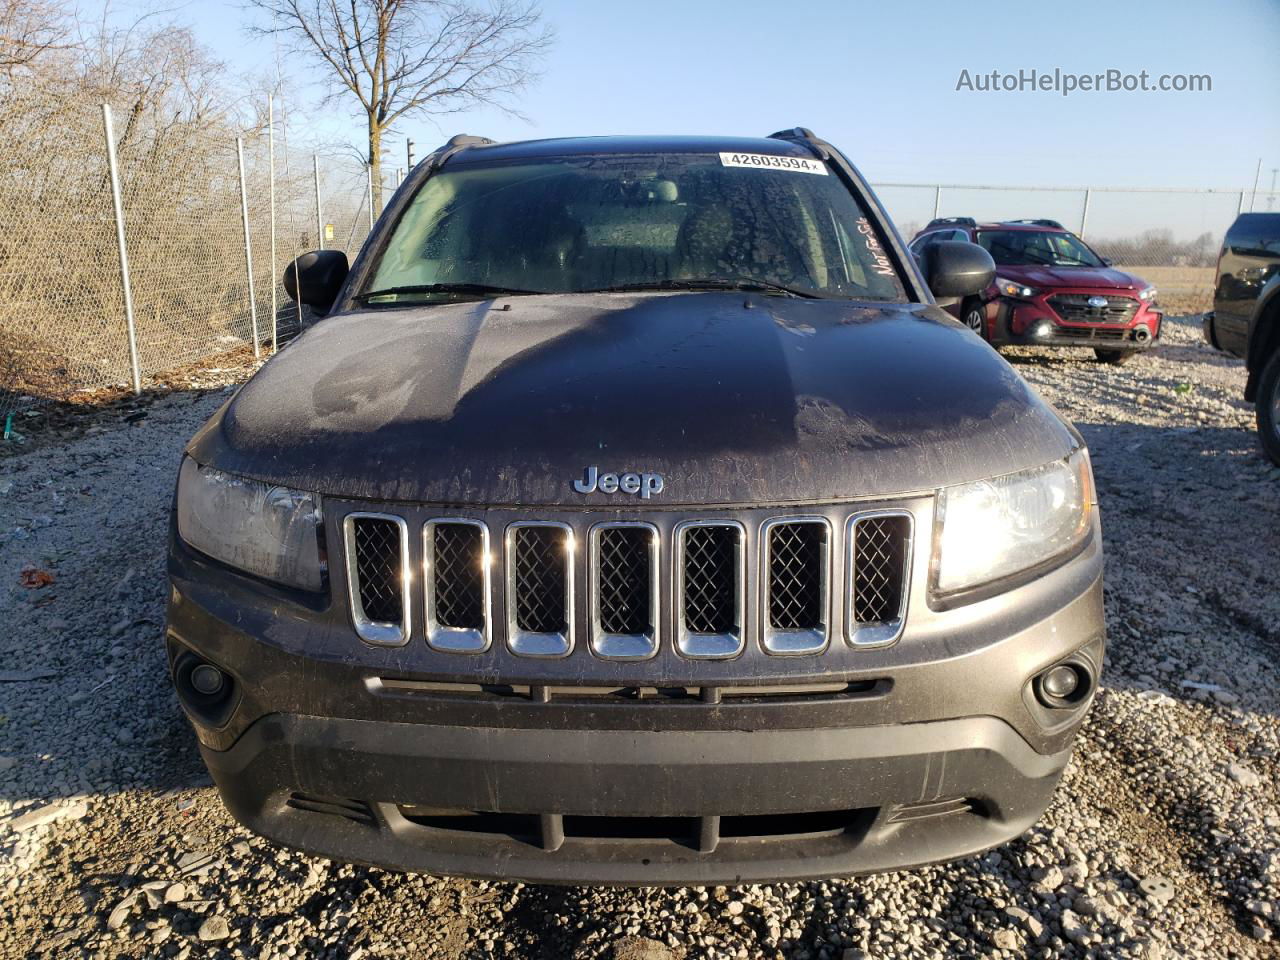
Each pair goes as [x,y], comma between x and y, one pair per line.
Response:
[991,225]
[594,146]
[1039,227]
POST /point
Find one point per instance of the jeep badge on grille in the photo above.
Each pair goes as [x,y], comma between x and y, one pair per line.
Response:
[644,484]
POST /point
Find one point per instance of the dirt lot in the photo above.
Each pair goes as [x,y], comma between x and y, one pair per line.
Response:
[1164,839]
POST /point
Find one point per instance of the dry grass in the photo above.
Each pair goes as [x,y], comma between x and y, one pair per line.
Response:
[1182,289]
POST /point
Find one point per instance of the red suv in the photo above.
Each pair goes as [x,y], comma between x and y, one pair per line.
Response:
[1050,289]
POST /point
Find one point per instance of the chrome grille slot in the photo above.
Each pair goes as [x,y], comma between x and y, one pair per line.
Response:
[796,570]
[377,576]
[539,589]
[624,591]
[710,584]
[879,574]
[456,557]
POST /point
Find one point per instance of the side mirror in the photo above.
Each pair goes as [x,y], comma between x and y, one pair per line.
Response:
[1107,261]
[956,268]
[316,277]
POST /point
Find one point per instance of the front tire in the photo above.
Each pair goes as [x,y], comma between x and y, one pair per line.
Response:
[1113,357]
[1268,407]
[973,314]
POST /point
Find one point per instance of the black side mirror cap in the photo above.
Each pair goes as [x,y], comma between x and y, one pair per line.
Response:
[316,277]
[956,268]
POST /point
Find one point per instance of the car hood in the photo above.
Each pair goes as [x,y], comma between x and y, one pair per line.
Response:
[1091,278]
[731,398]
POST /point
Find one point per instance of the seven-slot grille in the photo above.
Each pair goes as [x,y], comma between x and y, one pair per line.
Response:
[624,571]
[1075,308]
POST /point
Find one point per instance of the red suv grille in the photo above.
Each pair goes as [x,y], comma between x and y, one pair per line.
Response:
[1075,308]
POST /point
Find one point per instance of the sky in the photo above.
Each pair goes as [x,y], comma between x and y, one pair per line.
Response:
[879,80]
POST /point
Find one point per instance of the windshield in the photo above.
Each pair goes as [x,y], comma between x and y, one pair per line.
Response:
[566,225]
[1021,248]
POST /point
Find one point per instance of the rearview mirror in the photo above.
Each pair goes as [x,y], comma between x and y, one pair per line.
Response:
[955,268]
[316,277]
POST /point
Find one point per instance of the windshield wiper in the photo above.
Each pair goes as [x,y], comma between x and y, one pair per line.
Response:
[479,290]
[709,283]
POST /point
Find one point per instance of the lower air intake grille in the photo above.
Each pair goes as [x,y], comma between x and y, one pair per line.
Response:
[796,575]
[879,568]
[356,810]
[540,579]
[625,580]
[710,579]
[458,566]
[379,566]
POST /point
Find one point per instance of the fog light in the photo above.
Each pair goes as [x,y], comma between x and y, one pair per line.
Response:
[208,679]
[1060,682]
[1042,330]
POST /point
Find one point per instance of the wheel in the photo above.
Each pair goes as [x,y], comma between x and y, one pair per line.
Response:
[1114,357]
[1268,404]
[973,314]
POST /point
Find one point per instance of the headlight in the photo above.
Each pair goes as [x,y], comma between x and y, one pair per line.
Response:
[1147,293]
[991,529]
[273,532]
[1012,288]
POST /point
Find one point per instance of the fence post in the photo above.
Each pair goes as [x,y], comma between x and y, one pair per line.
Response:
[248,248]
[1084,213]
[368,170]
[315,169]
[271,192]
[125,283]
[937,200]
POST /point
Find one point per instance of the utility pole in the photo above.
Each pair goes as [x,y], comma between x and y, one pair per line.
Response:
[126,284]
[1271,197]
[315,170]
[408,153]
[271,168]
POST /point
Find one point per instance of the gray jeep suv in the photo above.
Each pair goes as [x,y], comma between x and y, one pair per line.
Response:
[635,516]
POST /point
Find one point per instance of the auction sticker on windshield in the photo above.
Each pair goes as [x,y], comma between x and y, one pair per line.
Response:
[768,161]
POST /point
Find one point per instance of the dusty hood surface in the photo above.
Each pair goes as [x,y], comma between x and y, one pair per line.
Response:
[732,398]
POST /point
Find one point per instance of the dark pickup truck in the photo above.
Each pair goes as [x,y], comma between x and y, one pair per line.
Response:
[1245,320]
[636,516]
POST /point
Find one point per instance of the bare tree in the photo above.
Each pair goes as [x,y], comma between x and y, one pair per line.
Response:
[398,57]
[29,28]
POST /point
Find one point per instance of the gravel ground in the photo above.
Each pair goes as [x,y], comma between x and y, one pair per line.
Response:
[1163,841]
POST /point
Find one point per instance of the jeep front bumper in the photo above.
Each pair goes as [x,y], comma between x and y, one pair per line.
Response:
[934,748]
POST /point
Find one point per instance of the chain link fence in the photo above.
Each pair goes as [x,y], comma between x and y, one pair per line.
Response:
[63,321]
